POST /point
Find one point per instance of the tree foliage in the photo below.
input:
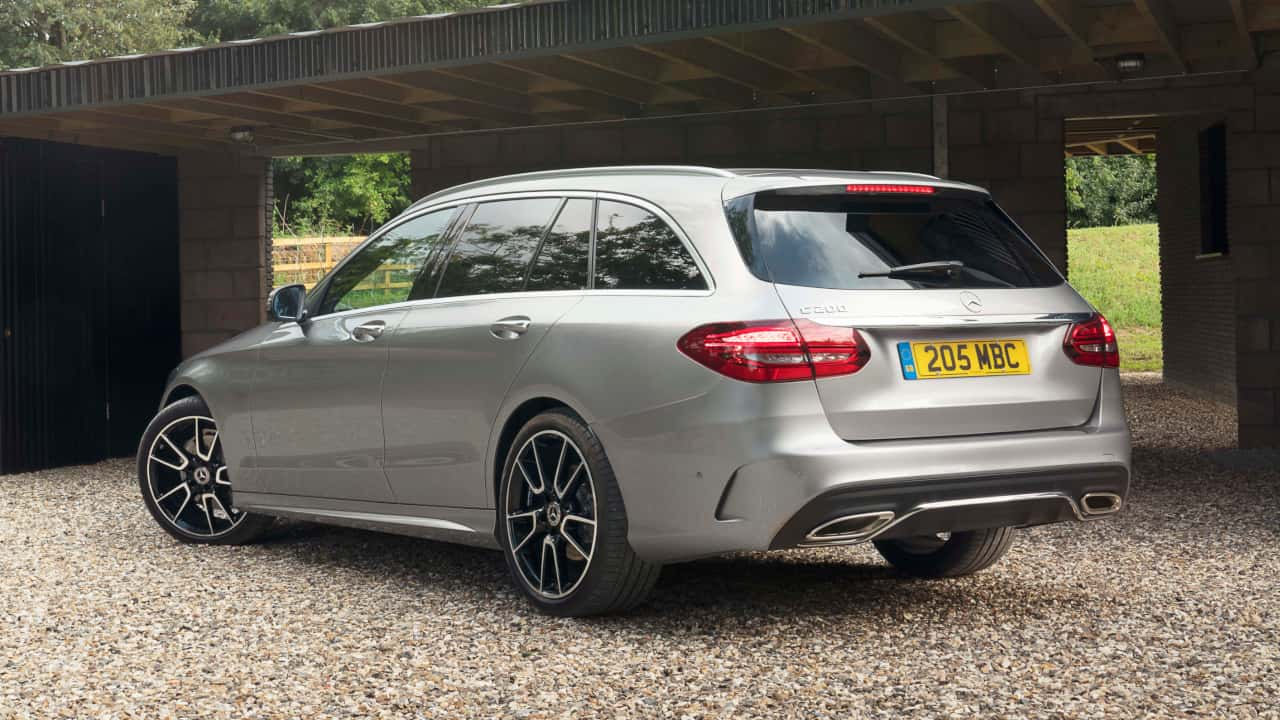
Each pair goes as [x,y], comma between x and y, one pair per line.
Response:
[40,32]
[223,20]
[339,194]
[1107,191]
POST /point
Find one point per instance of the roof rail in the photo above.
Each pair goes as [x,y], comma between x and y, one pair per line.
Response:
[696,170]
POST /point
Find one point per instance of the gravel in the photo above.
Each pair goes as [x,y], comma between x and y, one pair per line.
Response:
[1170,610]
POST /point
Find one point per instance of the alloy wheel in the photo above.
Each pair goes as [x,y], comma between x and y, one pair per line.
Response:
[550,511]
[187,478]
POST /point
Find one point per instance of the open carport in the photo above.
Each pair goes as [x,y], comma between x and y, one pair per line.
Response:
[135,192]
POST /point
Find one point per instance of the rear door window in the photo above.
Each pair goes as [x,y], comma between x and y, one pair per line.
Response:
[827,238]
[637,250]
[561,263]
[493,252]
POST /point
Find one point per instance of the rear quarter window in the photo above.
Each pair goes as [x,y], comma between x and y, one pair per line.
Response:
[828,238]
[637,250]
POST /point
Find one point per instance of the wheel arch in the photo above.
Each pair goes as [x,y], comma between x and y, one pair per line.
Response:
[180,392]
[521,414]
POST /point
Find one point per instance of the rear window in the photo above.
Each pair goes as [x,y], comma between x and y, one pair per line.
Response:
[826,237]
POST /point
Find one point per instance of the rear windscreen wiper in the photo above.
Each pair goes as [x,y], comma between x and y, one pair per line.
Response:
[949,268]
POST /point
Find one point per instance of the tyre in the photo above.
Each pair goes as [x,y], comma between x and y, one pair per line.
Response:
[562,525]
[185,482]
[948,554]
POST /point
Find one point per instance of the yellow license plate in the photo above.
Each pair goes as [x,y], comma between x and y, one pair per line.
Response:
[963,358]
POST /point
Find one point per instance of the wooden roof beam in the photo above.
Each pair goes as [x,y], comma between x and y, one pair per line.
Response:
[234,108]
[916,32]
[880,56]
[767,81]
[997,25]
[1074,20]
[810,64]
[1158,14]
[1248,48]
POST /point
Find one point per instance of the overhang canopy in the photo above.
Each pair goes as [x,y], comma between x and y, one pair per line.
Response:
[386,86]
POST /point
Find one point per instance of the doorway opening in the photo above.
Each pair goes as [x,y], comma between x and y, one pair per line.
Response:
[1113,229]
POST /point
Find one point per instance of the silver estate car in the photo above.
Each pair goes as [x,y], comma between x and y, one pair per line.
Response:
[600,371]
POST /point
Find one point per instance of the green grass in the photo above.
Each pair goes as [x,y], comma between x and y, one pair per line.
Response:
[1118,270]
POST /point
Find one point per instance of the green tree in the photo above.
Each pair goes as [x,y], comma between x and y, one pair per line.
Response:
[222,20]
[1115,190]
[40,32]
[339,194]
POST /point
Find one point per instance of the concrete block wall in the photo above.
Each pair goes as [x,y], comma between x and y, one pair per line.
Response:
[224,203]
[1253,181]
[1010,144]
[891,135]
[1197,293]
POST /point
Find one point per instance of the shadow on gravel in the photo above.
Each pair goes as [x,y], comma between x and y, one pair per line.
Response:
[720,595]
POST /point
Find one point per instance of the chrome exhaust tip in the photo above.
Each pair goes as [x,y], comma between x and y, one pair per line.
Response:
[1100,503]
[848,529]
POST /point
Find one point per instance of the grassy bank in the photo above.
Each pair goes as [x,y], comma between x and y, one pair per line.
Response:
[1118,270]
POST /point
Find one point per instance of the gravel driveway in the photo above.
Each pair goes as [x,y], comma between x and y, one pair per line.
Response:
[1172,609]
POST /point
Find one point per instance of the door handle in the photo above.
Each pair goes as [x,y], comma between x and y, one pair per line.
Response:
[368,332]
[510,328]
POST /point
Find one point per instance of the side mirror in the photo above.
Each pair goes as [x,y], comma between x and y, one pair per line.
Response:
[287,304]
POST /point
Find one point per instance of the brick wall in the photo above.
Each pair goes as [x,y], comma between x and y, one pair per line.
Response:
[1197,294]
[224,201]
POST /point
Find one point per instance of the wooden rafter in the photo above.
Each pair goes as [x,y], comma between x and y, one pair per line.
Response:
[1158,14]
[881,57]
[1248,48]
[768,82]
[231,108]
[811,65]
[998,26]
[916,32]
[1073,19]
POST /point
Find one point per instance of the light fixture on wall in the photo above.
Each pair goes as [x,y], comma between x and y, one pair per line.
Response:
[1130,63]
[241,134]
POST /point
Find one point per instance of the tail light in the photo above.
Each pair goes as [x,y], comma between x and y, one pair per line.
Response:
[1092,342]
[776,350]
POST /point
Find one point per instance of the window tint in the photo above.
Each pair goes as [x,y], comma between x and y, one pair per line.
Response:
[389,269]
[826,238]
[562,262]
[494,250]
[636,250]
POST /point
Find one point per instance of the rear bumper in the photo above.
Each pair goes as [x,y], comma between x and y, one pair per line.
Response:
[712,474]
[880,511]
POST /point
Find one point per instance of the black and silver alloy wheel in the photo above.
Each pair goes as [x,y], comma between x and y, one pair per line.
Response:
[550,511]
[562,524]
[185,481]
[187,477]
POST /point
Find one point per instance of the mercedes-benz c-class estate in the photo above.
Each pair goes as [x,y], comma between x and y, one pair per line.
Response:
[601,371]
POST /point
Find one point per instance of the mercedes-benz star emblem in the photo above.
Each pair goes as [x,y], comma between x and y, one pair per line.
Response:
[971,302]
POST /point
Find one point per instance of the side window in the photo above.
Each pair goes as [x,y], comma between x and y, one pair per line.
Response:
[636,250]
[388,269]
[562,261]
[494,250]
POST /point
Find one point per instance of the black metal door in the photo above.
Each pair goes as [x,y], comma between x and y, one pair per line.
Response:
[88,300]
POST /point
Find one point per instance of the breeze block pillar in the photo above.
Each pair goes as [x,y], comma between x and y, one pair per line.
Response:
[225,254]
[1253,219]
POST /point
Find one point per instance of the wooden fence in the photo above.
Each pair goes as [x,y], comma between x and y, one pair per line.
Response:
[306,260]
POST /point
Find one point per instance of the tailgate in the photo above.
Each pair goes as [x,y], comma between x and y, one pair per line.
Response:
[1045,390]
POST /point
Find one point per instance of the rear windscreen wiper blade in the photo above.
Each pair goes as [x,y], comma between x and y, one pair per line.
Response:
[950,268]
